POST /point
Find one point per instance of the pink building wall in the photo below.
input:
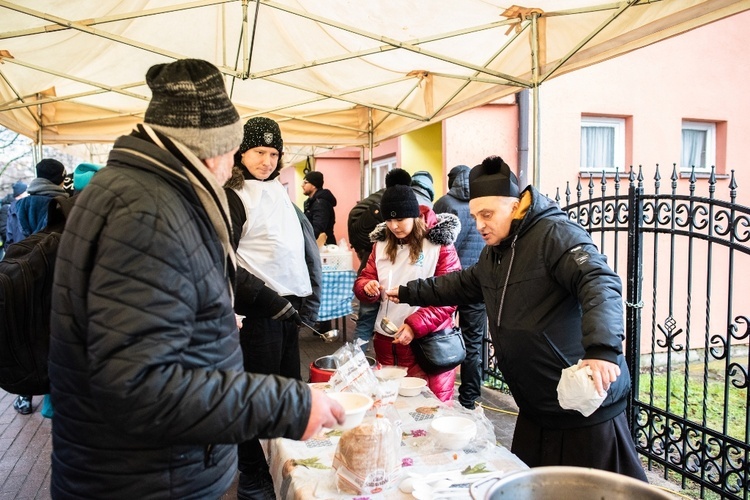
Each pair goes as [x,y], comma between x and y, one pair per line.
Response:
[699,75]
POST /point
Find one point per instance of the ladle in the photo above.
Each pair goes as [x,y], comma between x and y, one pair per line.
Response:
[387,325]
[328,336]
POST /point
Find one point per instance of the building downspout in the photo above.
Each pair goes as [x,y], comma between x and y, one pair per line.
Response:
[522,101]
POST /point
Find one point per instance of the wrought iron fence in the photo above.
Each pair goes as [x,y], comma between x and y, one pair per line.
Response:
[684,260]
[687,307]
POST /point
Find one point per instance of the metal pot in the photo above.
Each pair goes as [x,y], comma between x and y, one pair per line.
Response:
[566,483]
[321,370]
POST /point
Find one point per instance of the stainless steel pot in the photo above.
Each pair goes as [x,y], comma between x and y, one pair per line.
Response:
[330,363]
[566,483]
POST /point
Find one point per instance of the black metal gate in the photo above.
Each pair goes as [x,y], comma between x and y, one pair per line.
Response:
[685,263]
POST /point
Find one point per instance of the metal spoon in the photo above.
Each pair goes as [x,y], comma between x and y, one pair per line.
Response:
[328,336]
[387,325]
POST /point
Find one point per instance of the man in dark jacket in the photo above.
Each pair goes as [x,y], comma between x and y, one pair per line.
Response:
[552,300]
[274,242]
[472,318]
[145,365]
[319,206]
[28,215]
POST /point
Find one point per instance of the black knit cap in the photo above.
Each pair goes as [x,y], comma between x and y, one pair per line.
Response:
[52,170]
[189,103]
[261,131]
[399,201]
[492,177]
[315,178]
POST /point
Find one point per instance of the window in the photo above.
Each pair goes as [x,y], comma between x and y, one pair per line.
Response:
[379,169]
[602,144]
[698,146]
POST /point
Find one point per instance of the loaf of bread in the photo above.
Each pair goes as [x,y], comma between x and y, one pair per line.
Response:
[366,459]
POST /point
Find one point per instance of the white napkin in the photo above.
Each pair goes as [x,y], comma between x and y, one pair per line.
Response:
[576,390]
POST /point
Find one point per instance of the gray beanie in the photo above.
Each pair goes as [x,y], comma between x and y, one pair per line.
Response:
[190,104]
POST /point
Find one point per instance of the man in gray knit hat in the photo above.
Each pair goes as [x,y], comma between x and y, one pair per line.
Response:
[145,365]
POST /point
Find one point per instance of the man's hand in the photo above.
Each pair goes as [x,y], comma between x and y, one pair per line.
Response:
[603,373]
[325,412]
[392,295]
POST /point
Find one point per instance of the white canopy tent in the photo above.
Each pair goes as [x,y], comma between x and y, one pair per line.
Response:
[332,72]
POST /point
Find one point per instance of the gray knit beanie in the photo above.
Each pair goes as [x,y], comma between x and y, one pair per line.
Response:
[190,104]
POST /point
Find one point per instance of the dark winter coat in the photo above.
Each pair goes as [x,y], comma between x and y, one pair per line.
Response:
[319,211]
[563,303]
[4,206]
[469,243]
[362,221]
[146,371]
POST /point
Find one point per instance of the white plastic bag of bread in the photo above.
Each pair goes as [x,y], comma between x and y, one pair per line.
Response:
[366,460]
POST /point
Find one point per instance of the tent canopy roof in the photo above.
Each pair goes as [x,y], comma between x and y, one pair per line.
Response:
[330,72]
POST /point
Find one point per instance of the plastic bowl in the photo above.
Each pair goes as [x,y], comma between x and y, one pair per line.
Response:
[411,386]
[453,433]
[390,373]
[355,405]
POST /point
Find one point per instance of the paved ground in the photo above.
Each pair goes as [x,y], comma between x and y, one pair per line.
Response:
[25,442]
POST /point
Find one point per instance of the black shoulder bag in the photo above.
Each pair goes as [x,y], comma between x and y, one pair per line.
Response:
[440,351]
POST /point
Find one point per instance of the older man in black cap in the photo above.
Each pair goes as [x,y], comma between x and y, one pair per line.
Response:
[145,364]
[551,300]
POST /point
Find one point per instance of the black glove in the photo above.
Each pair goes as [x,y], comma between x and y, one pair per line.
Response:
[278,306]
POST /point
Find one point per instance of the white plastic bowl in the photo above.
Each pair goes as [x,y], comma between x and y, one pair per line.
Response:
[453,433]
[390,373]
[355,405]
[411,386]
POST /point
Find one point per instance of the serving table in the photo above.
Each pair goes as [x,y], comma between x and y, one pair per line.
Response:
[302,470]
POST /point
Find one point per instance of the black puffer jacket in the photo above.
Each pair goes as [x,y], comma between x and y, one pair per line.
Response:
[563,303]
[319,211]
[145,364]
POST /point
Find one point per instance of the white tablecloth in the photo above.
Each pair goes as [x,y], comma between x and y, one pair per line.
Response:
[302,470]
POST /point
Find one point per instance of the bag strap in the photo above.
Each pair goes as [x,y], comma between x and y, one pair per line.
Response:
[57,212]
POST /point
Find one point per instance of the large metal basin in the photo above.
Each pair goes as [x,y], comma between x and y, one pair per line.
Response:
[569,483]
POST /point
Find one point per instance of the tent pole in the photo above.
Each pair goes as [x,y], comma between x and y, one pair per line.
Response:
[364,184]
[38,150]
[535,100]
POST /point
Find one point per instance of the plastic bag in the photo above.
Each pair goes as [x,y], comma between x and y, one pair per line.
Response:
[367,457]
[576,390]
[353,373]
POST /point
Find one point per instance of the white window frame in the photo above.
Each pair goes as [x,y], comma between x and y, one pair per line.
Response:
[710,129]
[618,126]
[379,169]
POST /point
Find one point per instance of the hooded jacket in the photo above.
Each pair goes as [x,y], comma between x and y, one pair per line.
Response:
[319,211]
[28,215]
[442,231]
[469,243]
[145,365]
[551,300]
